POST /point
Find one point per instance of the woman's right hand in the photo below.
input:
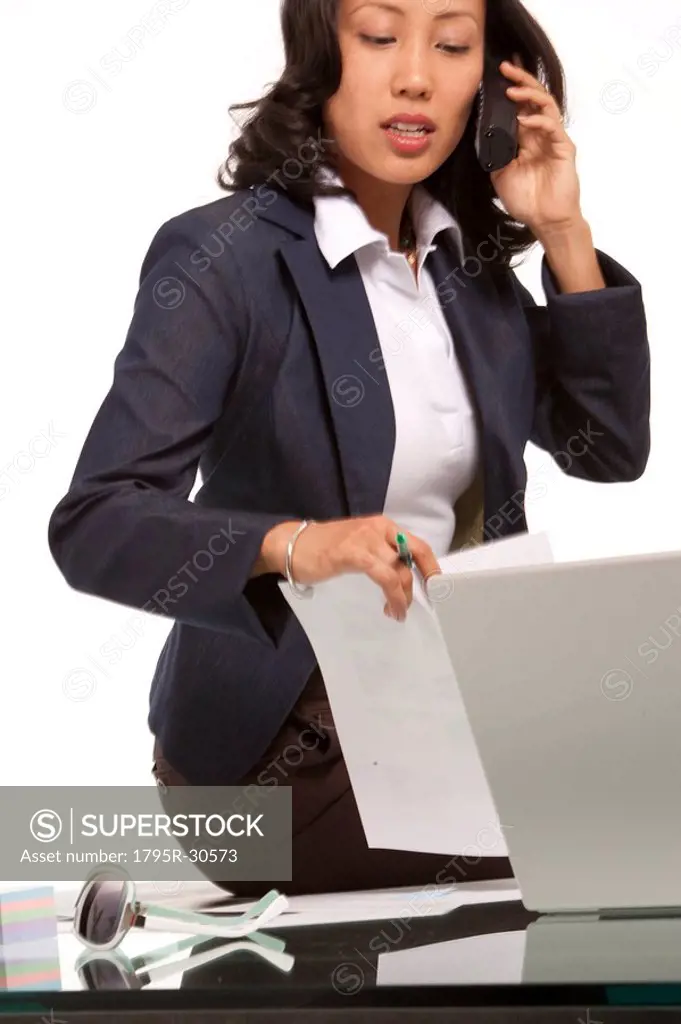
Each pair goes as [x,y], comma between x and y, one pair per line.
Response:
[364,544]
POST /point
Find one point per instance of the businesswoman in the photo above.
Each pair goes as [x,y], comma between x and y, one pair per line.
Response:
[342,349]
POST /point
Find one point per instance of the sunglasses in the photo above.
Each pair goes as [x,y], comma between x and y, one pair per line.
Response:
[107,909]
[111,970]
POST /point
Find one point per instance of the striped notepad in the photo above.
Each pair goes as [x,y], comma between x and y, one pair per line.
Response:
[27,914]
[30,966]
[29,946]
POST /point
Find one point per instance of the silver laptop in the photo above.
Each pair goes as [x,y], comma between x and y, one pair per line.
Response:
[571,678]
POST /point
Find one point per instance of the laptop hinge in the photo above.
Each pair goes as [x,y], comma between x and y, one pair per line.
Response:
[640,912]
[621,913]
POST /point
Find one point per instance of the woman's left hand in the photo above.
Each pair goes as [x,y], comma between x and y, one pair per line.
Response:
[540,187]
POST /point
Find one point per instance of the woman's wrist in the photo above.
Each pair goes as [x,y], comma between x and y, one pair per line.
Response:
[273,549]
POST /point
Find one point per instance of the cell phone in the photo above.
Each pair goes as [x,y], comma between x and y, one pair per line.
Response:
[496,134]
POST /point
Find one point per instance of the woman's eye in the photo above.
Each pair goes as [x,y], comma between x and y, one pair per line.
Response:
[376,39]
[383,40]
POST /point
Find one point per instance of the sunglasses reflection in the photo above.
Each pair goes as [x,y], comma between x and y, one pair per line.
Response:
[113,970]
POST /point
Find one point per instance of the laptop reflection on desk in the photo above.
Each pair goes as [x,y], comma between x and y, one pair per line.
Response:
[550,951]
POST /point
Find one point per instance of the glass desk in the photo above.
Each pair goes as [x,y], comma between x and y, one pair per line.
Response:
[493,957]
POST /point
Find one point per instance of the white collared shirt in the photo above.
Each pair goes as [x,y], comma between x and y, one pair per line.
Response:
[436,444]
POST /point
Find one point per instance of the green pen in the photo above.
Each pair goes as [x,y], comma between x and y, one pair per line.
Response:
[403,550]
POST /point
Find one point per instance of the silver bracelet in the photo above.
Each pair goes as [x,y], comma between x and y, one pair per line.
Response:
[297,588]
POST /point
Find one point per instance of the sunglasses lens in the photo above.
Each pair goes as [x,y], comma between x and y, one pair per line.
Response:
[102,975]
[102,912]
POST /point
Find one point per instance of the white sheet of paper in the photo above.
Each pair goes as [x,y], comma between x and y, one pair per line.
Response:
[495,959]
[386,904]
[402,726]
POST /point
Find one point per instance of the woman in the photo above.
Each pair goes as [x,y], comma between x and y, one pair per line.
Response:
[342,349]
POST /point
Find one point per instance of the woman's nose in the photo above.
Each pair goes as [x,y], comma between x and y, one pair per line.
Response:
[413,74]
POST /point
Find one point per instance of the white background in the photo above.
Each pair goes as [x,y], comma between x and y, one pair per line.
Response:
[95,162]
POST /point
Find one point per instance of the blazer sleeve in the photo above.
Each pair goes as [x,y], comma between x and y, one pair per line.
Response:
[126,529]
[592,369]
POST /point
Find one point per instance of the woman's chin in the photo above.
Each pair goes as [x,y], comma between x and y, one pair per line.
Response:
[400,171]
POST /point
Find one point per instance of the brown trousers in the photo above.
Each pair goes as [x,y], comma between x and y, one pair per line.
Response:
[330,853]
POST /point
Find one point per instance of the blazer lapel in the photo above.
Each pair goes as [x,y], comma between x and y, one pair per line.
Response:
[356,385]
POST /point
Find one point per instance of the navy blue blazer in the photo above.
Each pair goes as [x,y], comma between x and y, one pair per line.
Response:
[219,286]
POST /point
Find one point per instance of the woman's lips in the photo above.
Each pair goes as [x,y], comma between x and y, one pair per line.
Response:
[407,142]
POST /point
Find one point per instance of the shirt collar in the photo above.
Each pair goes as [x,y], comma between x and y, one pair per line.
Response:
[342,228]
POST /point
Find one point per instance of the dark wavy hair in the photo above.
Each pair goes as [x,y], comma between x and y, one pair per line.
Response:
[289,116]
